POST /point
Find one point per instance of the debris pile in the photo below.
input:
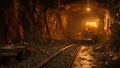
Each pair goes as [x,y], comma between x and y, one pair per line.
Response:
[106,59]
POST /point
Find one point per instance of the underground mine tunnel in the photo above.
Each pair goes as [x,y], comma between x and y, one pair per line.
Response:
[59,34]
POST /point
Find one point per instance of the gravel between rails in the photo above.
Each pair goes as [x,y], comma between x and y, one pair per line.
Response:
[63,59]
[43,63]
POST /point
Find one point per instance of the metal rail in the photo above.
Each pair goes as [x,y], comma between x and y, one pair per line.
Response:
[69,65]
[41,64]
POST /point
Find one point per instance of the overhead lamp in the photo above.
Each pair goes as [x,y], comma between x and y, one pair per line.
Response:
[88,9]
[88,6]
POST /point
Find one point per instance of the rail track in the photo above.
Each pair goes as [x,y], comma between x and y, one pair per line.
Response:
[50,59]
[83,58]
[72,60]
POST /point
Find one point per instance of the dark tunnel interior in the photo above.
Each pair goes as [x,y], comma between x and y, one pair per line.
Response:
[34,30]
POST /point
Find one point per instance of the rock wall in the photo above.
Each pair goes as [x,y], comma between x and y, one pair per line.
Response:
[26,20]
[115,26]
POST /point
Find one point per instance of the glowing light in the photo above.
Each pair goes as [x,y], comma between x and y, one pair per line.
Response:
[93,24]
[88,9]
[98,19]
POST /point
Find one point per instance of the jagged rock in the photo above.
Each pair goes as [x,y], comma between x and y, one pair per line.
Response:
[27,20]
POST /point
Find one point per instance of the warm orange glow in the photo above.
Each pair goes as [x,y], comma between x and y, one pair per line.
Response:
[93,24]
[88,9]
[98,19]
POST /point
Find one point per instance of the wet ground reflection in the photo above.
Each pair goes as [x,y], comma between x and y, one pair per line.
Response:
[96,56]
[83,58]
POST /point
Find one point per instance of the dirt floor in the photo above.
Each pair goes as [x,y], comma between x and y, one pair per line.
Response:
[41,52]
